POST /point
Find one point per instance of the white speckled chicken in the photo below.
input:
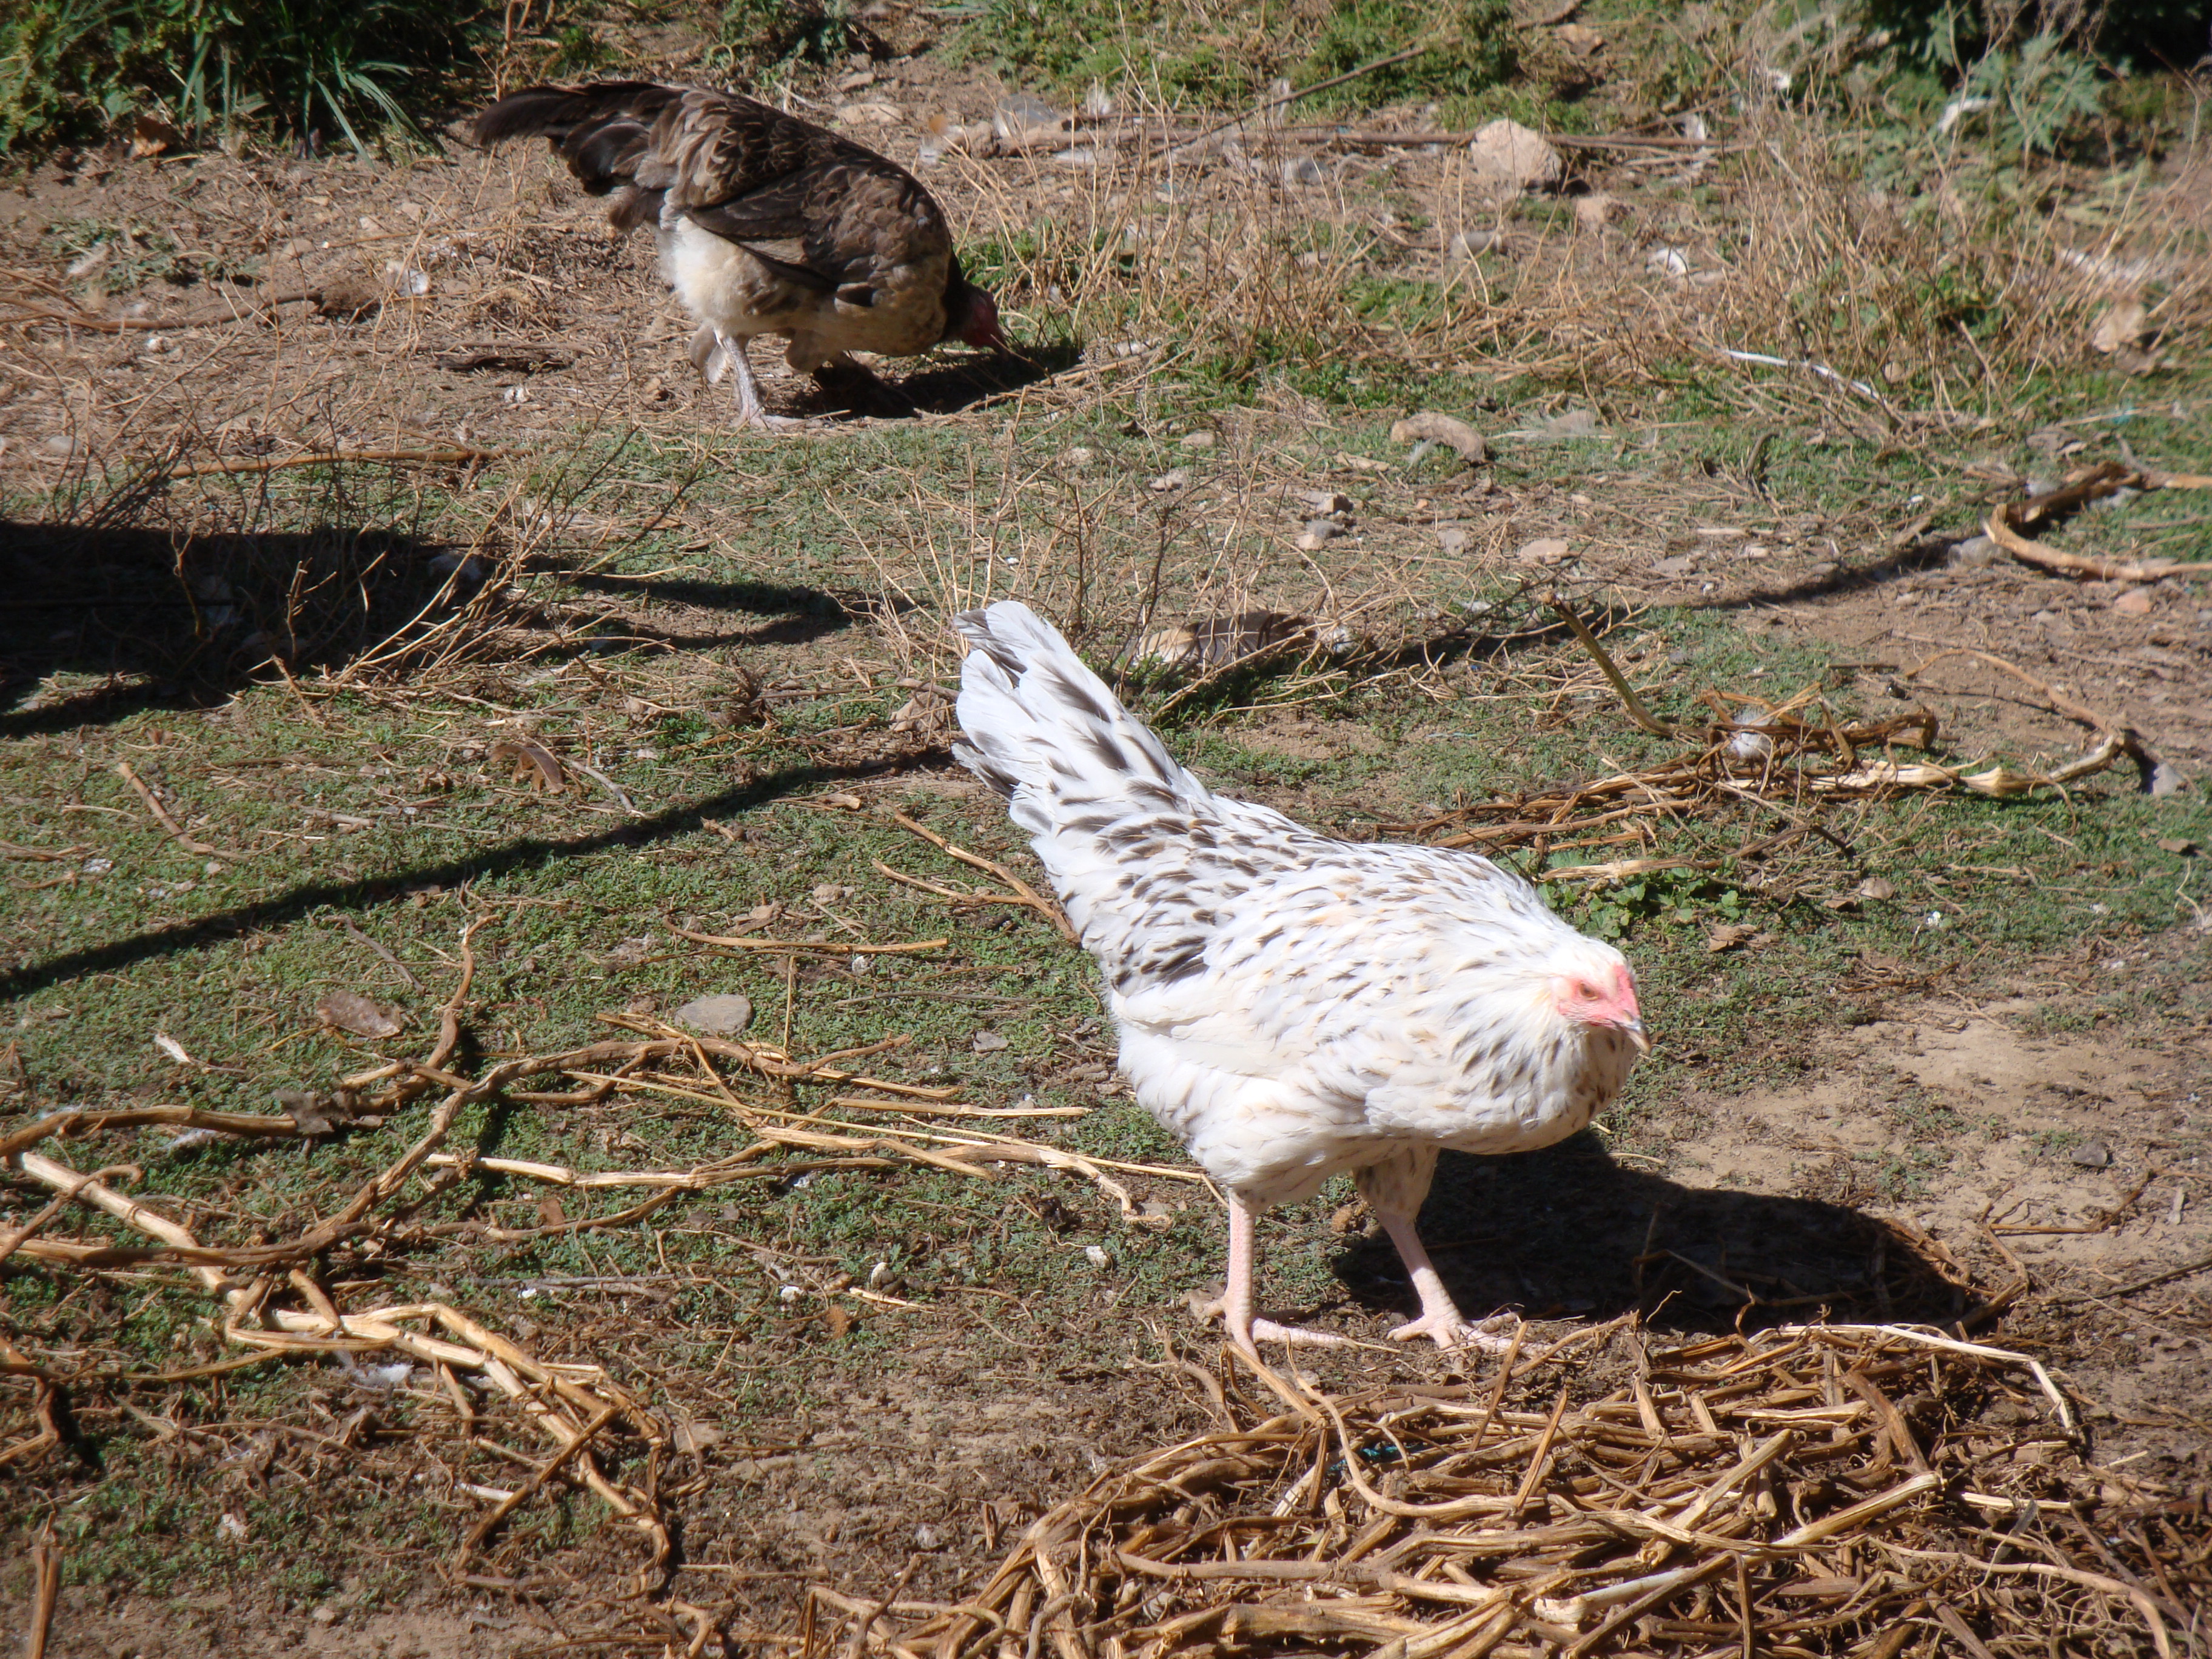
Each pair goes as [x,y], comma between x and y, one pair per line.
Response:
[767,224]
[1291,1005]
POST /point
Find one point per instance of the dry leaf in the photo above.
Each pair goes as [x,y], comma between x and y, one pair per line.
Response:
[349,1012]
[320,1115]
[1443,429]
[837,1318]
[1729,935]
[531,762]
[550,1212]
[175,1050]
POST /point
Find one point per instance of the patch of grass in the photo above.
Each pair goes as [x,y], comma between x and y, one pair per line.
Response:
[756,37]
[1205,53]
[320,71]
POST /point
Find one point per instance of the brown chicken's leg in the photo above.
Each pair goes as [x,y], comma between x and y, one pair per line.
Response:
[1234,1306]
[750,412]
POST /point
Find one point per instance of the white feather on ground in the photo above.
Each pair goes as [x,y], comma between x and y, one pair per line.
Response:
[1292,1006]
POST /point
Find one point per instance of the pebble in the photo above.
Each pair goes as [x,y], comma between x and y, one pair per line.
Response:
[716,1016]
[2093,1155]
[1195,440]
[1178,479]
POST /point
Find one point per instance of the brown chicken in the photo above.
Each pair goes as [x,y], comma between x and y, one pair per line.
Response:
[767,224]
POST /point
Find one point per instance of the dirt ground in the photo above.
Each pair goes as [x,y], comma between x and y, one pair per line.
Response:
[2047,1129]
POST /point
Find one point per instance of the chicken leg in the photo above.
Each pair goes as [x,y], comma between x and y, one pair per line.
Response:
[728,351]
[1395,1189]
[1234,1306]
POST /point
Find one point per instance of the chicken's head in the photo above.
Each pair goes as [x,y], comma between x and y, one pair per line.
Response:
[971,315]
[1599,990]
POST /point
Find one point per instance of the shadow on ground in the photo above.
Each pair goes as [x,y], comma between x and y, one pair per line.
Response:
[1569,1232]
[523,853]
[162,616]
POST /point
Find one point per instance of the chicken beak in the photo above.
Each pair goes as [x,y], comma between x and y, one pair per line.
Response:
[1635,1029]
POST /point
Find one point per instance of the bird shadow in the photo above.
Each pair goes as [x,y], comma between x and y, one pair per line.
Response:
[943,388]
[1570,1232]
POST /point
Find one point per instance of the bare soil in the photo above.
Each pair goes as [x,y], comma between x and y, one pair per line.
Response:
[1966,1121]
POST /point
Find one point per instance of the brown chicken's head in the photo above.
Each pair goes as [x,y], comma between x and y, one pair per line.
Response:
[971,315]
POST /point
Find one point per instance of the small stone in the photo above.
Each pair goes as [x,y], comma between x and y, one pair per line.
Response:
[2166,779]
[987,1043]
[1874,887]
[1178,479]
[927,1537]
[1323,530]
[2180,846]
[1469,243]
[1596,210]
[1544,549]
[2093,1155]
[1510,154]
[1975,553]
[2135,602]
[1195,440]
[1675,569]
[1667,262]
[1096,1255]
[716,1016]
[1454,538]
[2117,327]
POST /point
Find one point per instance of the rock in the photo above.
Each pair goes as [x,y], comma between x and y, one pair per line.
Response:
[2093,1155]
[2166,779]
[1975,553]
[927,1537]
[348,1010]
[1667,262]
[1196,440]
[716,1016]
[2135,602]
[2117,327]
[1302,172]
[987,1043]
[1874,887]
[1544,549]
[1596,210]
[1319,533]
[1454,538]
[1178,479]
[1510,154]
[2180,846]
[1429,426]
[1468,243]
[1579,38]
[1675,569]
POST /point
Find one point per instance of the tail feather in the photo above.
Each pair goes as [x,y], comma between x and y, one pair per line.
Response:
[1045,732]
[604,132]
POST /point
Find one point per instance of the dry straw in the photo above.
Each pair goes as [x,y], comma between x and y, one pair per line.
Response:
[1811,1490]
